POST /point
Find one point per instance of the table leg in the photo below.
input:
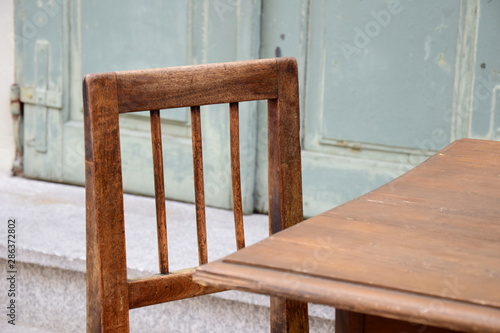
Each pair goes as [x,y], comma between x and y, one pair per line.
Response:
[349,322]
[353,322]
[288,316]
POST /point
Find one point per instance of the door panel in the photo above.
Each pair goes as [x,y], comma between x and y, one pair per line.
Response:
[485,108]
[367,91]
[41,49]
[379,86]
[383,86]
[387,84]
[98,36]
[396,93]
[284,33]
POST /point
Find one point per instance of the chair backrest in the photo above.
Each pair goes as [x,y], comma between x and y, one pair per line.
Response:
[110,294]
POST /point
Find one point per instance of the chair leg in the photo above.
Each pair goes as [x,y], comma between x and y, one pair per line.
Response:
[288,316]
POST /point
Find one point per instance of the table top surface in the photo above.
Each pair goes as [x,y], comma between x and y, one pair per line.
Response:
[423,248]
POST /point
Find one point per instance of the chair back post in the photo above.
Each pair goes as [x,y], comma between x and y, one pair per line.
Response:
[107,288]
[285,182]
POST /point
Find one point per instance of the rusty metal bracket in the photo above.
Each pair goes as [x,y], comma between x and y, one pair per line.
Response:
[16,110]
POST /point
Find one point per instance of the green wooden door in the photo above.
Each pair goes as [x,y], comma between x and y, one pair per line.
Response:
[69,39]
[384,84]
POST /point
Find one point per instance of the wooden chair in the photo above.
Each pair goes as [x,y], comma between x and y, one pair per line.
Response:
[110,294]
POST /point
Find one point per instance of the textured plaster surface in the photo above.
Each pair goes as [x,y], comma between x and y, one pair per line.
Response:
[7,146]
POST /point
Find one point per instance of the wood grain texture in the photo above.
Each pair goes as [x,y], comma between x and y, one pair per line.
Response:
[284,173]
[350,296]
[199,185]
[354,322]
[109,294]
[234,134]
[422,248]
[188,85]
[375,324]
[106,265]
[285,182]
[288,315]
[166,288]
[349,322]
[161,213]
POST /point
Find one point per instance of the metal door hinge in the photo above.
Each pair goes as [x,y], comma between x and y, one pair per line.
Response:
[16,111]
[41,97]
[15,100]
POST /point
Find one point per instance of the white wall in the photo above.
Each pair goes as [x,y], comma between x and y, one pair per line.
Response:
[7,147]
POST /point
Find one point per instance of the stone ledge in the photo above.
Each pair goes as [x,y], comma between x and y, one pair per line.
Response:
[51,232]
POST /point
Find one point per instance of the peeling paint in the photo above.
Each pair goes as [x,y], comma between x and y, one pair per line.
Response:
[427,47]
[441,60]
[441,27]
[443,63]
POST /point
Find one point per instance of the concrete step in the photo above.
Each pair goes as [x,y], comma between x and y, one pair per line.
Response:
[50,258]
[7,328]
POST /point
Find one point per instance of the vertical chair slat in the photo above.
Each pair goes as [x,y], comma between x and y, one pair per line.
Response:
[199,190]
[234,125]
[161,216]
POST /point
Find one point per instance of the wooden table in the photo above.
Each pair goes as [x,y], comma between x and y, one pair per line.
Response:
[424,248]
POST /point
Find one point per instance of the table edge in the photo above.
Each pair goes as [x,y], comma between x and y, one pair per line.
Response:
[373,300]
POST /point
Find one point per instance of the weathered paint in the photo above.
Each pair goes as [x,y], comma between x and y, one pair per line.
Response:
[485,108]
[112,36]
[383,85]
[386,84]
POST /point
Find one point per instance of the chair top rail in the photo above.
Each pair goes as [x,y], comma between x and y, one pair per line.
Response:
[184,86]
